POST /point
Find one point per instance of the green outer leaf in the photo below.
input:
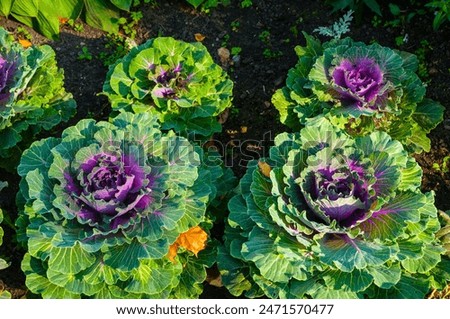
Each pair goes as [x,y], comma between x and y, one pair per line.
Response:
[386,277]
[3,263]
[428,114]
[70,260]
[355,281]
[392,218]
[238,216]
[407,288]
[273,266]
[152,277]
[126,257]
[37,156]
[37,282]
[347,254]
[431,257]
[233,273]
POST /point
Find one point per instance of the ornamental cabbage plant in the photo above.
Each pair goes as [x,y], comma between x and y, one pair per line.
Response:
[117,210]
[32,96]
[176,81]
[361,88]
[332,216]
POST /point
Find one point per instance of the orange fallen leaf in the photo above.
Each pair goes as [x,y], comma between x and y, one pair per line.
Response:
[25,43]
[264,168]
[199,37]
[172,252]
[193,240]
[63,20]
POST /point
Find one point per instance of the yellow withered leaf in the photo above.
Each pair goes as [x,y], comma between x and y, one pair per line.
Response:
[264,168]
[199,37]
[25,43]
[193,240]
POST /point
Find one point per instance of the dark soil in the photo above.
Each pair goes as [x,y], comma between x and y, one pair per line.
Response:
[252,125]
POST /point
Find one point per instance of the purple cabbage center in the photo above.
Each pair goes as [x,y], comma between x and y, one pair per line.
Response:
[340,193]
[169,82]
[359,82]
[110,189]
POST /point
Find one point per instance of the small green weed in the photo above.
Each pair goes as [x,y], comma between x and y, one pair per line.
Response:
[264,36]
[236,51]
[235,26]
[78,27]
[85,54]
[116,48]
[444,167]
[246,3]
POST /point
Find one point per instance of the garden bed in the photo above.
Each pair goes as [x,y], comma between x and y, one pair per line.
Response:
[266,34]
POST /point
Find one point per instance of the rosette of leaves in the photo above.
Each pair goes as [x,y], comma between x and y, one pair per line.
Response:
[32,96]
[176,81]
[362,88]
[332,216]
[116,210]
